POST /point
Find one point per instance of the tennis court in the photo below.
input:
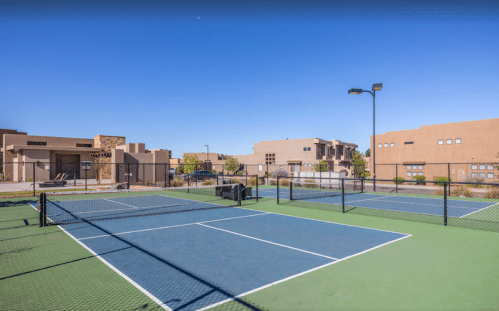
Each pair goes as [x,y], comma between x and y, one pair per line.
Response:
[383,201]
[211,254]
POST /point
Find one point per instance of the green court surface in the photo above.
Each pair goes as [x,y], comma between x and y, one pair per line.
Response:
[437,268]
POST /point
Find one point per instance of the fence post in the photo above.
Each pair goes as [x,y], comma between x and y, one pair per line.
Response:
[445,204]
[396,178]
[128,175]
[268,174]
[448,175]
[246,170]
[256,187]
[86,179]
[343,194]
[277,189]
[239,194]
[34,177]
[40,208]
[291,190]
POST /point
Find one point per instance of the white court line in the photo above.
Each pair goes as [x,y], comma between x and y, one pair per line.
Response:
[479,210]
[300,274]
[143,290]
[193,223]
[119,203]
[250,237]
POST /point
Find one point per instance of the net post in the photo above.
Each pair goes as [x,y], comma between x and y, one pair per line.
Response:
[362,185]
[246,166]
[127,176]
[40,208]
[343,194]
[34,177]
[86,179]
[277,189]
[256,187]
[445,204]
[165,175]
[239,194]
[291,190]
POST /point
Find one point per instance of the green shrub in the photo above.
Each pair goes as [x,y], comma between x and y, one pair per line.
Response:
[252,182]
[177,182]
[399,180]
[420,179]
[273,182]
[441,179]
[461,192]
[208,182]
[240,173]
[279,172]
[285,183]
[235,181]
[30,179]
[474,186]
[492,194]
[309,183]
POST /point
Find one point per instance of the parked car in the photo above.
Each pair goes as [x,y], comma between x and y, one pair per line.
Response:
[200,175]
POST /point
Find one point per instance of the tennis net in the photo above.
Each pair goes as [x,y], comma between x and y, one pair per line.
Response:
[313,190]
[83,206]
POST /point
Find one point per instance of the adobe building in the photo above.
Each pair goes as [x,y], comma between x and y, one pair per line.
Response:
[418,151]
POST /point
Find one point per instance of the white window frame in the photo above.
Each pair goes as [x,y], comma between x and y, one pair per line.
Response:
[409,174]
[440,141]
[380,145]
[474,166]
[482,175]
[449,141]
[392,145]
[474,174]
[414,173]
[490,166]
[386,145]
[482,166]
[409,167]
[420,167]
[414,167]
[490,175]
[260,167]
[458,140]
[420,173]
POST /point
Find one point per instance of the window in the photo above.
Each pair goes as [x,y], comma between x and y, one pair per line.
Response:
[474,174]
[84,145]
[308,148]
[270,158]
[408,143]
[440,141]
[260,167]
[490,166]
[420,167]
[490,175]
[392,145]
[409,174]
[304,148]
[37,143]
[386,145]
[458,140]
[420,173]
[449,141]
[379,145]
[414,167]
[482,175]
[482,166]
[409,167]
[414,173]
[281,167]
[474,167]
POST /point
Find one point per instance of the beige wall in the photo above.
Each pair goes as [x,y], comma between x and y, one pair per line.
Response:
[479,144]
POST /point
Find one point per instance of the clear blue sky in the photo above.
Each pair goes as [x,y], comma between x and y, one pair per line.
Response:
[180,75]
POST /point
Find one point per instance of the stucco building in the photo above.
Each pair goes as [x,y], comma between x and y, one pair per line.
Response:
[427,150]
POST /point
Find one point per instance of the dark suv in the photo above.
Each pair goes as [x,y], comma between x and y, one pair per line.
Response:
[200,175]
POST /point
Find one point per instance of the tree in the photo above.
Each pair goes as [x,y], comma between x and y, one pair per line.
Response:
[323,166]
[359,165]
[368,153]
[231,164]
[190,163]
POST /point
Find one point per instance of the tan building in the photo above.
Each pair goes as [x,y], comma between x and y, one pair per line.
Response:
[418,151]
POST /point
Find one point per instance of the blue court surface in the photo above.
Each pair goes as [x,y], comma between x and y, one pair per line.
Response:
[198,259]
[399,203]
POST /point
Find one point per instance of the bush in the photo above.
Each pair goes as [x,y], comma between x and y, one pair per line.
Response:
[30,179]
[474,179]
[252,182]
[285,183]
[177,182]
[236,181]
[208,182]
[273,182]
[399,180]
[240,173]
[492,194]
[461,192]
[279,172]
[309,183]
[441,179]
[420,180]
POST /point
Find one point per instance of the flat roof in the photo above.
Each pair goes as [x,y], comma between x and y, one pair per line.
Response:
[35,147]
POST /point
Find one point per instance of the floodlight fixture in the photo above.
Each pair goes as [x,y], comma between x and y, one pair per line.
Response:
[355,91]
[377,87]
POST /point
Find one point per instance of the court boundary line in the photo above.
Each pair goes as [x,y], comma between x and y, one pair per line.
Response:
[418,203]
[166,227]
[140,288]
[119,203]
[479,210]
[270,242]
[301,273]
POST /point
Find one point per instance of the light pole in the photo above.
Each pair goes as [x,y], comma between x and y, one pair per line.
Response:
[376,87]
[207,153]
